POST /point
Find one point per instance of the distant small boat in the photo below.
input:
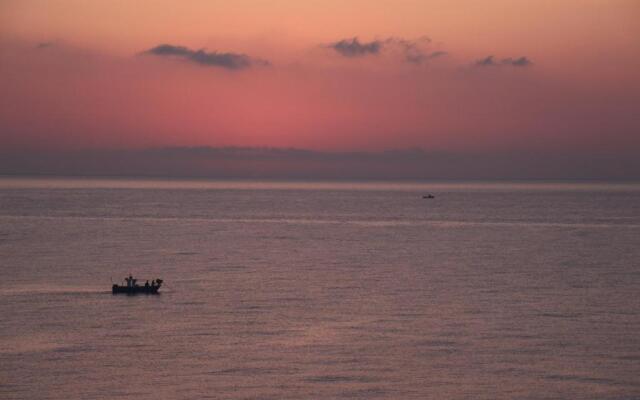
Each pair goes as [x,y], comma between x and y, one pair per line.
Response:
[428,196]
[133,288]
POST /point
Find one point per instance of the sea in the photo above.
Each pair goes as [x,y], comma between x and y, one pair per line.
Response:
[319,290]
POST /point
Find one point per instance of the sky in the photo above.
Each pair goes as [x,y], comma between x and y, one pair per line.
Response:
[521,80]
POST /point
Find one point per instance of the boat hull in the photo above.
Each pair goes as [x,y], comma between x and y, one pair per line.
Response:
[116,289]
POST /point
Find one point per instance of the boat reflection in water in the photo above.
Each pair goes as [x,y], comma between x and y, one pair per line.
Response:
[133,288]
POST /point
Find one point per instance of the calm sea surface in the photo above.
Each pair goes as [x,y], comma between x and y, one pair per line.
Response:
[319,290]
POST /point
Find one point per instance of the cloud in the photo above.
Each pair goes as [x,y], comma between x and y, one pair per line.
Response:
[354,48]
[411,51]
[232,61]
[486,62]
[418,57]
[414,51]
[170,50]
[517,62]
[44,45]
[490,61]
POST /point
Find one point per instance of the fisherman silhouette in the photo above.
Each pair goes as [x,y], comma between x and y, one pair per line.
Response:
[132,287]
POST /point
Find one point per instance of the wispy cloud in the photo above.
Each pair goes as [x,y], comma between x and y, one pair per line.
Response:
[44,45]
[411,51]
[232,61]
[419,57]
[490,61]
[517,62]
[414,51]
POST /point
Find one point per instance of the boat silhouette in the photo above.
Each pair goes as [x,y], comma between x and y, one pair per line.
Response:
[132,287]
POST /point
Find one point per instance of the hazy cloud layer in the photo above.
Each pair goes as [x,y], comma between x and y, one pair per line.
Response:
[291,163]
[411,51]
[490,61]
[232,61]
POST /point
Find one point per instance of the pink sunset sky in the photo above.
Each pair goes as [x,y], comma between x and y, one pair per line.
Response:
[481,77]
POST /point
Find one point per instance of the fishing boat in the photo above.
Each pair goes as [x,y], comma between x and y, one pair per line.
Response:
[132,287]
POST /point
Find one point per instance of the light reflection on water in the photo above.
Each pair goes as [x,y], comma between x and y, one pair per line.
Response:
[485,292]
[8,182]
